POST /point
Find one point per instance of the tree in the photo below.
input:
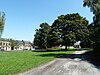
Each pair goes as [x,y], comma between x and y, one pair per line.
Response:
[72,28]
[94,6]
[2,22]
[40,39]
[37,38]
[13,44]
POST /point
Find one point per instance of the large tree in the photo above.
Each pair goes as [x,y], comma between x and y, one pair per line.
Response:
[2,22]
[94,6]
[40,39]
[72,28]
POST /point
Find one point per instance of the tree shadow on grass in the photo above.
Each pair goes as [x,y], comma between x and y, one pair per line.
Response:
[61,55]
[44,50]
[54,50]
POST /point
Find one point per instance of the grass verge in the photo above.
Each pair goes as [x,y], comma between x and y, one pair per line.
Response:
[18,61]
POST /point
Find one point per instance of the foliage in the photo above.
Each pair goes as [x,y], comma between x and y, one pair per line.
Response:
[72,28]
[88,42]
[13,43]
[40,39]
[2,22]
[65,31]
[19,61]
[96,38]
[53,38]
[94,5]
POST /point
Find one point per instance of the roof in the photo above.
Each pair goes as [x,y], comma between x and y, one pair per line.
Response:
[18,41]
[4,39]
[23,42]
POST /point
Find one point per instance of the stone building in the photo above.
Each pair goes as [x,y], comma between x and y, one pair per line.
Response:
[5,45]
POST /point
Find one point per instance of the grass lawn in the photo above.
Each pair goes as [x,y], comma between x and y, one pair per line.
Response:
[18,61]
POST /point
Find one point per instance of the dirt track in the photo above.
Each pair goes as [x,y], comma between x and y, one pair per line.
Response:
[65,66]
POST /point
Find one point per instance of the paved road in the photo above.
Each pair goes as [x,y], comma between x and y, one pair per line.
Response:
[65,66]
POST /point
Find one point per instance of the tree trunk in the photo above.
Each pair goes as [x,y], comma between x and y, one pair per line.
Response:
[66,47]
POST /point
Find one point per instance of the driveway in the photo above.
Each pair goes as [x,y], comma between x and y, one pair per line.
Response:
[65,66]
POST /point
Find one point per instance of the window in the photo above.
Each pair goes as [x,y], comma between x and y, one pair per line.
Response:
[9,44]
[0,43]
[3,43]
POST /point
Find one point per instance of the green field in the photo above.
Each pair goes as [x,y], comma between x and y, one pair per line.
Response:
[18,61]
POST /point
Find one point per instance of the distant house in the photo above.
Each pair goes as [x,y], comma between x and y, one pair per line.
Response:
[77,44]
[20,45]
[27,45]
[23,45]
[5,45]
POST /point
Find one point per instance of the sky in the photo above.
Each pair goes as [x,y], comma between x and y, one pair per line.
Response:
[23,17]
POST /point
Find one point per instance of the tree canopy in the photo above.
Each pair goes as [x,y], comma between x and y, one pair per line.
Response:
[94,6]
[65,31]
[72,28]
[53,38]
[2,22]
[40,39]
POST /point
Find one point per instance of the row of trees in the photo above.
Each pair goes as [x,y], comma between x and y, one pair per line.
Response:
[65,31]
[70,28]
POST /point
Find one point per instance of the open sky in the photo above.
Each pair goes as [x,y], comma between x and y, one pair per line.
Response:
[23,17]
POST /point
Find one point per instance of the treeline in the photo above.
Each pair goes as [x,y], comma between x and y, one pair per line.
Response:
[64,31]
[94,28]
[69,28]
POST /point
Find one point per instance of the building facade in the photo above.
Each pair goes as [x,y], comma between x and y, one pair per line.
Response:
[5,45]
[23,45]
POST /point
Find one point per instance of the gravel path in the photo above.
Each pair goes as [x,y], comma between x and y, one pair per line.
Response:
[65,66]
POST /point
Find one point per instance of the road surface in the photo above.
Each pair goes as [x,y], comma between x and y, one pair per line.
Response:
[65,66]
